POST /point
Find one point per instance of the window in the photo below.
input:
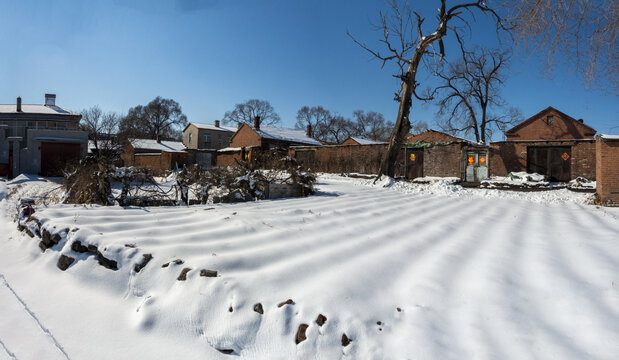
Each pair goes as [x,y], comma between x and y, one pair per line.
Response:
[190,137]
[549,120]
[207,138]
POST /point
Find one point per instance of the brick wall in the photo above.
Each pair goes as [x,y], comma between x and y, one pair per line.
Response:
[245,136]
[364,159]
[607,156]
[511,156]
[443,160]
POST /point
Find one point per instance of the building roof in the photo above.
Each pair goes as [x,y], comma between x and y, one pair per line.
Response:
[432,135]
[546,110]
[211,127]
[149,144]
[35,109]
[285,134]
[364,141]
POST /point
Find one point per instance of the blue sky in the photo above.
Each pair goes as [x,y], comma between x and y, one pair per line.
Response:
[209,55]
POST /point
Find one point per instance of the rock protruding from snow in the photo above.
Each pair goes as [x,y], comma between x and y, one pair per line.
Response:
[287,302]
[64,262]
[146,258]
[183,274]
[300,337]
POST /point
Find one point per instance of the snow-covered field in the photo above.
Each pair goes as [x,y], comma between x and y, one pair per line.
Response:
[407,271]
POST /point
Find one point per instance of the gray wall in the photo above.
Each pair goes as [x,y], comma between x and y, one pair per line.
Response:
[30,156]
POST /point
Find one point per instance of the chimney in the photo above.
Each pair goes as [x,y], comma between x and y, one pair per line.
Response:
[238,125]
[18,104]
[50,99]
[308,131]
[158,139]
[216,123]
[581,121]
[257,122]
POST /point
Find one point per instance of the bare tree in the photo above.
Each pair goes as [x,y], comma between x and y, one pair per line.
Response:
[419,127]
[318,118]
[159,118]
[406,45]
[246,113]
[471,91]
[339,129]
[371,125]
[99,125]
[581,34]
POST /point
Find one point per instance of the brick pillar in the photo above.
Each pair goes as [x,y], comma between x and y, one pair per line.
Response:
[607,169]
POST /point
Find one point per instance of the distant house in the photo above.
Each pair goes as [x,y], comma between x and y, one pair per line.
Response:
[203,140]
[353,140]
[157,155]
[550,143]
[270,137]
[249,139]
[207,136]
[39,138]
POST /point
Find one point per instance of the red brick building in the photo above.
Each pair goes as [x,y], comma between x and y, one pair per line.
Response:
[157,155]
[550,143]
[270,137]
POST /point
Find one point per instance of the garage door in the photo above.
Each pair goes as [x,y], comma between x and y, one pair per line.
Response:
[552,161]
[54,157]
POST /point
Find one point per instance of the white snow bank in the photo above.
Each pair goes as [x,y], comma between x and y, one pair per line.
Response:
[402,273]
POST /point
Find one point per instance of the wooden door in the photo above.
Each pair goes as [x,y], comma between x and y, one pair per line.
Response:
[414,163]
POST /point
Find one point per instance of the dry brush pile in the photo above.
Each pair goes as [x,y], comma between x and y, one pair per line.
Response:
[96,181]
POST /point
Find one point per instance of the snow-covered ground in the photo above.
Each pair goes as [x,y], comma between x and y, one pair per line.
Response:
[407,271]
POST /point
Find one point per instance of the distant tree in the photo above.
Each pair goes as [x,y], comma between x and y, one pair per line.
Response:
[99,125]
[340,129]
[318,118]
[327,126]
[160,117]
[581,34]
[371,125]
[247,111]
[469,98]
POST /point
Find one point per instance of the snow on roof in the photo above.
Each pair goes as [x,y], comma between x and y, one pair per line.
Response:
[609,137]
[284,134]
[229,149]
[213,127]
[149,144]
[35,109]
[364,141]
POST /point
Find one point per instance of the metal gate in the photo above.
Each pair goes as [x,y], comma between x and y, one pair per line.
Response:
[476,167]
[54,157]
[552,161]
